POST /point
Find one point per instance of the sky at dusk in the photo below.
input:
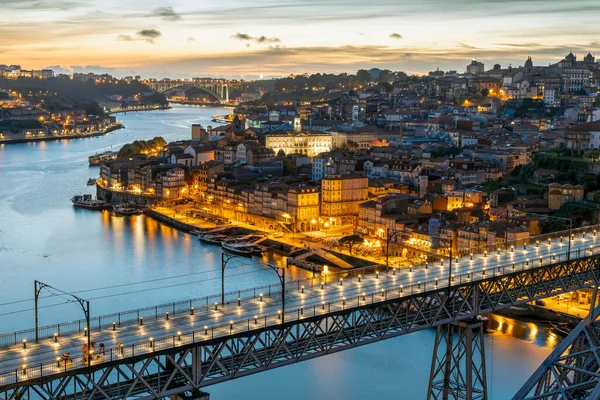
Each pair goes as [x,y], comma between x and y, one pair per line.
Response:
[235,38]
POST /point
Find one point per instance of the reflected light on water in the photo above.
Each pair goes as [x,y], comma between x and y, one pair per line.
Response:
[540,334]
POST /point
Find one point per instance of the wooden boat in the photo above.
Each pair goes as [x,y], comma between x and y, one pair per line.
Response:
[86,201]
[212,239]
[91,182]
[244,249]
[121,209]
[561,328]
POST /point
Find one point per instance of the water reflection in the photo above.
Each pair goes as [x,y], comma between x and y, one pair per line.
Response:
[539,333]
[43,237]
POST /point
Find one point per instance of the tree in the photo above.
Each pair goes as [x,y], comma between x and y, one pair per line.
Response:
[351,241]
[363,75]
[485,92]
[281,153]
[387,86]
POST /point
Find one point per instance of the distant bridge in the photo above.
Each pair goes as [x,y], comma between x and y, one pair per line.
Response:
[178,348]
[217,89]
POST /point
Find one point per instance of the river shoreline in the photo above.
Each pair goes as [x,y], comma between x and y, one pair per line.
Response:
[113,128]
[200,103]
[119,110]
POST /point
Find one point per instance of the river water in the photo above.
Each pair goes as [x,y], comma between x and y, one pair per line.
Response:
[122,263]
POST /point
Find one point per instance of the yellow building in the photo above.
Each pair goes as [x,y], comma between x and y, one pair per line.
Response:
[309,144]
[559,194]
[303,204]
[340,197]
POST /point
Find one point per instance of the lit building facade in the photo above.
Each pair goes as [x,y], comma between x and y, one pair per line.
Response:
[308,144]
[341,196]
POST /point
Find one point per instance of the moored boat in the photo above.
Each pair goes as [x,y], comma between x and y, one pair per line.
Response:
[86,201]
[244,249]
[91,182]
[212,239]
[123,209]
[561,328]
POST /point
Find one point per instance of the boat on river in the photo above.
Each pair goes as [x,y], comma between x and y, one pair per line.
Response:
[91,182]
[212,238]
[87,201]
[243,249]
[124,209]
[561,328]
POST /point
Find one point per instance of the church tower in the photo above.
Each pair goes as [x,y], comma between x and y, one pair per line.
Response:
[528,65]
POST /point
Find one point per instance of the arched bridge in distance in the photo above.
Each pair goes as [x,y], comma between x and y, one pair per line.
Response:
[182,347]
[218,90]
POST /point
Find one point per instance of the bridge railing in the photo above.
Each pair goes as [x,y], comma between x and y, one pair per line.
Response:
[562,236]
[146,313]
[151,313]
[150,346]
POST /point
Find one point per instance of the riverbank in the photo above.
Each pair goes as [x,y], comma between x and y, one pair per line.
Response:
[201,103]
[284,244]
[48,138]
[155,107]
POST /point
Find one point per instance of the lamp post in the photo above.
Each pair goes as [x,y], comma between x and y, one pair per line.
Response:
[569,220]
[84,304]
[225,258]
[448,244]
[280,271]
[312,228]
[388,238]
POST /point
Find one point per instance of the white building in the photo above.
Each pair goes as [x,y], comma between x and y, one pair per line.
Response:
[309,144]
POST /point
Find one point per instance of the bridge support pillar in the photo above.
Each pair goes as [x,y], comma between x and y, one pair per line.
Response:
[458,364]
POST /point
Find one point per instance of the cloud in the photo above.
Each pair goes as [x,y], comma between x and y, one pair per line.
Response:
[167,13]
[241,36]
[264,39]
[149,35]
[191,39]
[257,39]
[396,36]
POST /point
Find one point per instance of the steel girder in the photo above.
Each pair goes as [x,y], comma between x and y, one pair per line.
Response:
[572,370]
[192,366]
[458,367]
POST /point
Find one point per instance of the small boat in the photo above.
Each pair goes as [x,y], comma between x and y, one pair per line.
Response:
[91,182]
[123,209]
[561,328]
[86,201]
[244,249]
[212,239]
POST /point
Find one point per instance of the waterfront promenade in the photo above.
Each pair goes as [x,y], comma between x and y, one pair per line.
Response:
[155,328]
[14,139]
[152,107]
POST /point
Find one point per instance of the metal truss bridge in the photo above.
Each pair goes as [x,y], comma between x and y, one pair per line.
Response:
[181,347]
[219,90]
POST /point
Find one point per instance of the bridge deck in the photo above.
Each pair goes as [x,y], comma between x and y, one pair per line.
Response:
[306,298]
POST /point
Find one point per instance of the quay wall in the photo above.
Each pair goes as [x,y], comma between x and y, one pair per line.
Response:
[113,196]
[119,110]
[49,138]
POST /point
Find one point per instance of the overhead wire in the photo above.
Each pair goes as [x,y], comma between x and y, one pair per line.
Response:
[130,284]
[170,286]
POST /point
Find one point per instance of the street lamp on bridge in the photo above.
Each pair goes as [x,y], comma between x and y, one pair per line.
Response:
[280,271]
[569,220]
[84,304]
